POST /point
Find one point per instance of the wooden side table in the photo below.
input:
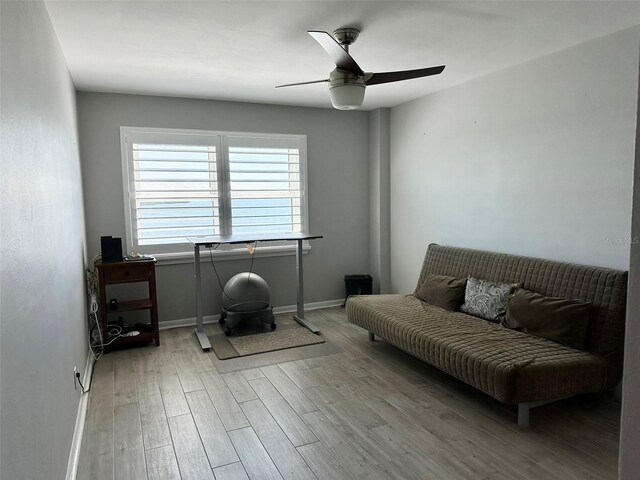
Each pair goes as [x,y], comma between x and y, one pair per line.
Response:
[128,272]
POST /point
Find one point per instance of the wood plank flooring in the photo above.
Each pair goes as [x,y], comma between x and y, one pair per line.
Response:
[370,412]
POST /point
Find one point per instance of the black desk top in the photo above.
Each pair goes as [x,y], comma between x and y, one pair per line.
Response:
[242,238]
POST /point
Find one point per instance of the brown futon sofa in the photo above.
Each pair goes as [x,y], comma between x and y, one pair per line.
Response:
[511,366]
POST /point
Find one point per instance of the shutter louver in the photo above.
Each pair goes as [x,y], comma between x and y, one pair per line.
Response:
[265,190]
[176,192]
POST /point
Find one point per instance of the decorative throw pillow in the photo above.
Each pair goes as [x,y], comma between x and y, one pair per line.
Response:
[558,319]
[442,291]
[486,299]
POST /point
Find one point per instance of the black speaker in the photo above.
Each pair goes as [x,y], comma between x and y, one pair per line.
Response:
[357,285]
[111,249]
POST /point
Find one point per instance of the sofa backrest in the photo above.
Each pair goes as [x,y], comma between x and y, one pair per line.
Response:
[605,288]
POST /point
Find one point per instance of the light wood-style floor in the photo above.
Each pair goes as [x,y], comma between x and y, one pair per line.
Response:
[370,412]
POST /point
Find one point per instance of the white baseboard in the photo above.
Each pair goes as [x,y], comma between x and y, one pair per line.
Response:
[76,443]
[309,306]
[191,321]
[187,322]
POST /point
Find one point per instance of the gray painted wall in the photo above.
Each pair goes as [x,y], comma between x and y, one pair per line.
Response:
[630,423]
[534,160]
[338,189]
[380,212]
[42,302]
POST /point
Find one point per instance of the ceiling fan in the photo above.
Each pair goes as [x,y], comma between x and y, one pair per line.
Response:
[347,82]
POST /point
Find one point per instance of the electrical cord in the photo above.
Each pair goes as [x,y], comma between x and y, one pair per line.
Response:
[114,331]
[94,347]
[86,390]
[93,314]
[211,249]
[92,287]
[82,386]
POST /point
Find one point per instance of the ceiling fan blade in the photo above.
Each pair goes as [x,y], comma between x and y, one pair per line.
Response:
[302,83]
[386,77]
[340,56]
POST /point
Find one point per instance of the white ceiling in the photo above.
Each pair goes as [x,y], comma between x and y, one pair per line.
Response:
[239,50]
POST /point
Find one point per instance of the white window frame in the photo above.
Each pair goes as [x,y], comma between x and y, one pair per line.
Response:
[183,253]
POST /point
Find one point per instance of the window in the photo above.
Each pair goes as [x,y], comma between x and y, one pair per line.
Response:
[183,183]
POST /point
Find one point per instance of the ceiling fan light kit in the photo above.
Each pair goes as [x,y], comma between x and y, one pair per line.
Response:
[347,97]
[347,83]
[346,90]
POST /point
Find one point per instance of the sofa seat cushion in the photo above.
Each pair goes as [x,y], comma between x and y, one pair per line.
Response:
[510,366]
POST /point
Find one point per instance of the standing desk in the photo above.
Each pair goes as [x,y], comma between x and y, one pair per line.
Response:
[198,242]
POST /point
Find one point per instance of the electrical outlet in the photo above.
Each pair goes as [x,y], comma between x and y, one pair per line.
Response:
[75,377]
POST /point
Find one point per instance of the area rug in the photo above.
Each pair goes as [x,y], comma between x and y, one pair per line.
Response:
[253,337]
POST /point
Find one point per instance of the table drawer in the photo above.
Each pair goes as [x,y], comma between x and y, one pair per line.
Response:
[129,273]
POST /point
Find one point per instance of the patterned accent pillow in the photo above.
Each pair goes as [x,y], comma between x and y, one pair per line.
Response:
[486,299]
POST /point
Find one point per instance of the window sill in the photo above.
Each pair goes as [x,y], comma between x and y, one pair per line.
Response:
[236,254]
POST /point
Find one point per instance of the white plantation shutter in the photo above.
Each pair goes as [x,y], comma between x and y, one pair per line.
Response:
[176,192]
[182,184]
[265,185]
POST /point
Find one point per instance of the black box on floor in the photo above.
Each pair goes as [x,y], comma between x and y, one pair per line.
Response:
[361,284]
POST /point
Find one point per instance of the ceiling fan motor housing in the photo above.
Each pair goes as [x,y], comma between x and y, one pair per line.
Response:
[346,36]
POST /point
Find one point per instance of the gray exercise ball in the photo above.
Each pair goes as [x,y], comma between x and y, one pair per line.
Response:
[245,292]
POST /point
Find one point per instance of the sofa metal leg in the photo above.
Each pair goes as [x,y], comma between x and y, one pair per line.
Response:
[372,337]
[523,414]
[525,407]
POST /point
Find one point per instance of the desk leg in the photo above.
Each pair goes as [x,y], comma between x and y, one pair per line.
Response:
[202,337]
[299,317]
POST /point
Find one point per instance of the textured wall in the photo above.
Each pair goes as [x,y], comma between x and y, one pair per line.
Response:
[338,189]
[42,302]
[534,160]
[630,423]
[379,167]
